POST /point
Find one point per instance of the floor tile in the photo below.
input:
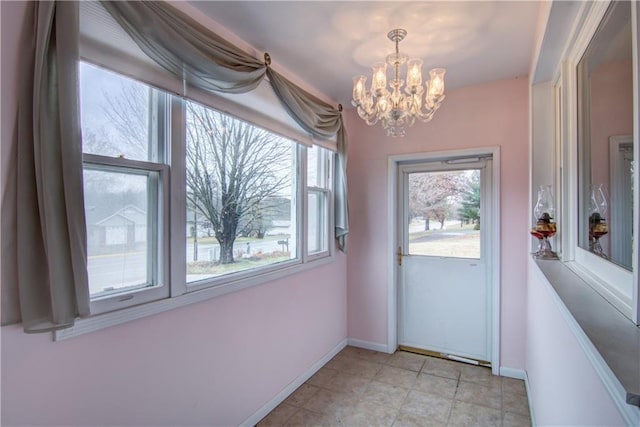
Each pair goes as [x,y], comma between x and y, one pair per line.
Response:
[404,360]
[322,377]
[515,420]
[442,368]
[369,355]
[481,375]
[360,368]
[365,388]
[479,395]
[370,414]
[309,418]
[335,403]
[348,383]
[405,419]
[515,403]
[385,394]
[337,362]
[279,416]
[513,386]
[396,376]
[427,405]
[445,387]
[302,395]
[470,415]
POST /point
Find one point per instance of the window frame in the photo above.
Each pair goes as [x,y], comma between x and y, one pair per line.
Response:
[603,276]
[176,292]
[158,229]
[325,163]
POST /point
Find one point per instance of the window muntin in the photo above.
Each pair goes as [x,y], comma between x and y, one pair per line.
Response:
[241,195]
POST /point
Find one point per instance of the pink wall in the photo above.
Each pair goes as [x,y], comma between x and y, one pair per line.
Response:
[564,388]
[212,363]
[493,114]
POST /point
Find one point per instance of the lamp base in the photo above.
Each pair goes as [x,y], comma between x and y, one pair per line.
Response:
[544,250]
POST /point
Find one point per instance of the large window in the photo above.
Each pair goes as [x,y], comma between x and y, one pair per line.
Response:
[244,201]
[241,195]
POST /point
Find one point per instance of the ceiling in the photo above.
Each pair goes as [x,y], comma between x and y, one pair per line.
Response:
[326,43]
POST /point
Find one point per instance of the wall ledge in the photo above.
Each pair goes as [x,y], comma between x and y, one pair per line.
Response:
[610,340]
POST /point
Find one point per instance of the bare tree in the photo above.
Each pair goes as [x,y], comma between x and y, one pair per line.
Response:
[233,170]
[129,112]
[236,172]
[433,194]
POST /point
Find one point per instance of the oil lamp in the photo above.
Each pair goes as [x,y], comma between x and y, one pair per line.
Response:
[545,227]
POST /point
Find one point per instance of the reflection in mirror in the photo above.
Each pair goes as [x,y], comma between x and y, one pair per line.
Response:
[605,147]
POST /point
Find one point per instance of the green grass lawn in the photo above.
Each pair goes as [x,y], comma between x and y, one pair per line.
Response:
[467,228]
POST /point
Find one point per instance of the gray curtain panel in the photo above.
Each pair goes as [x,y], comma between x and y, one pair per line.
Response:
[319,119]
[47,227]
[203,59]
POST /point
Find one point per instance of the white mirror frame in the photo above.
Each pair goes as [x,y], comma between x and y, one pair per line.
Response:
[616,284]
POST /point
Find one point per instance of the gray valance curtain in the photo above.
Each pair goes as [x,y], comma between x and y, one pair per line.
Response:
[43,224]
[203,59]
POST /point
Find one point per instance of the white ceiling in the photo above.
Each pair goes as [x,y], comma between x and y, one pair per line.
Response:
[326,43]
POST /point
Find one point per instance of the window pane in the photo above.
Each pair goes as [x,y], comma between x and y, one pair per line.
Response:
[313,178]
[444,212]
[115,114]
[241,186]
[117,211]
[317,162]
[317,225]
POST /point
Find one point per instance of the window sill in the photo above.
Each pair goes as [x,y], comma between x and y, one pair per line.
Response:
[101,321]
[610,340]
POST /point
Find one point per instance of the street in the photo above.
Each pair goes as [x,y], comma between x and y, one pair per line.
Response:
[124,269]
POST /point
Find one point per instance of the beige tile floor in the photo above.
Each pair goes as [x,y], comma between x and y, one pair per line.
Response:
[364,388]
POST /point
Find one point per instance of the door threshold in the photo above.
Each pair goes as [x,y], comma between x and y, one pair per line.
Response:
[446,356]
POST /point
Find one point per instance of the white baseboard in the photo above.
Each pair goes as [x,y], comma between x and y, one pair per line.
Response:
[280,397]
[368,345]
[531,412]
[518,374]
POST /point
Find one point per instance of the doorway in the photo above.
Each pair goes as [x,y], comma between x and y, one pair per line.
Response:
[446,254]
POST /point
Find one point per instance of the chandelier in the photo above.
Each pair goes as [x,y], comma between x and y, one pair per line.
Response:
[393,106]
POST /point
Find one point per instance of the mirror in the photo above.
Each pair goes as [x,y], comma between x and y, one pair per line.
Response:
[605,142]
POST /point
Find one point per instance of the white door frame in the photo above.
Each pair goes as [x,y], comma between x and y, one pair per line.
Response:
[392,242]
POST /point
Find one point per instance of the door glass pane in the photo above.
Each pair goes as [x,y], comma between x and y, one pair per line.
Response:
[444,214]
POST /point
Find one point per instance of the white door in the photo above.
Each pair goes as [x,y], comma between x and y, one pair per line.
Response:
[444,287]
